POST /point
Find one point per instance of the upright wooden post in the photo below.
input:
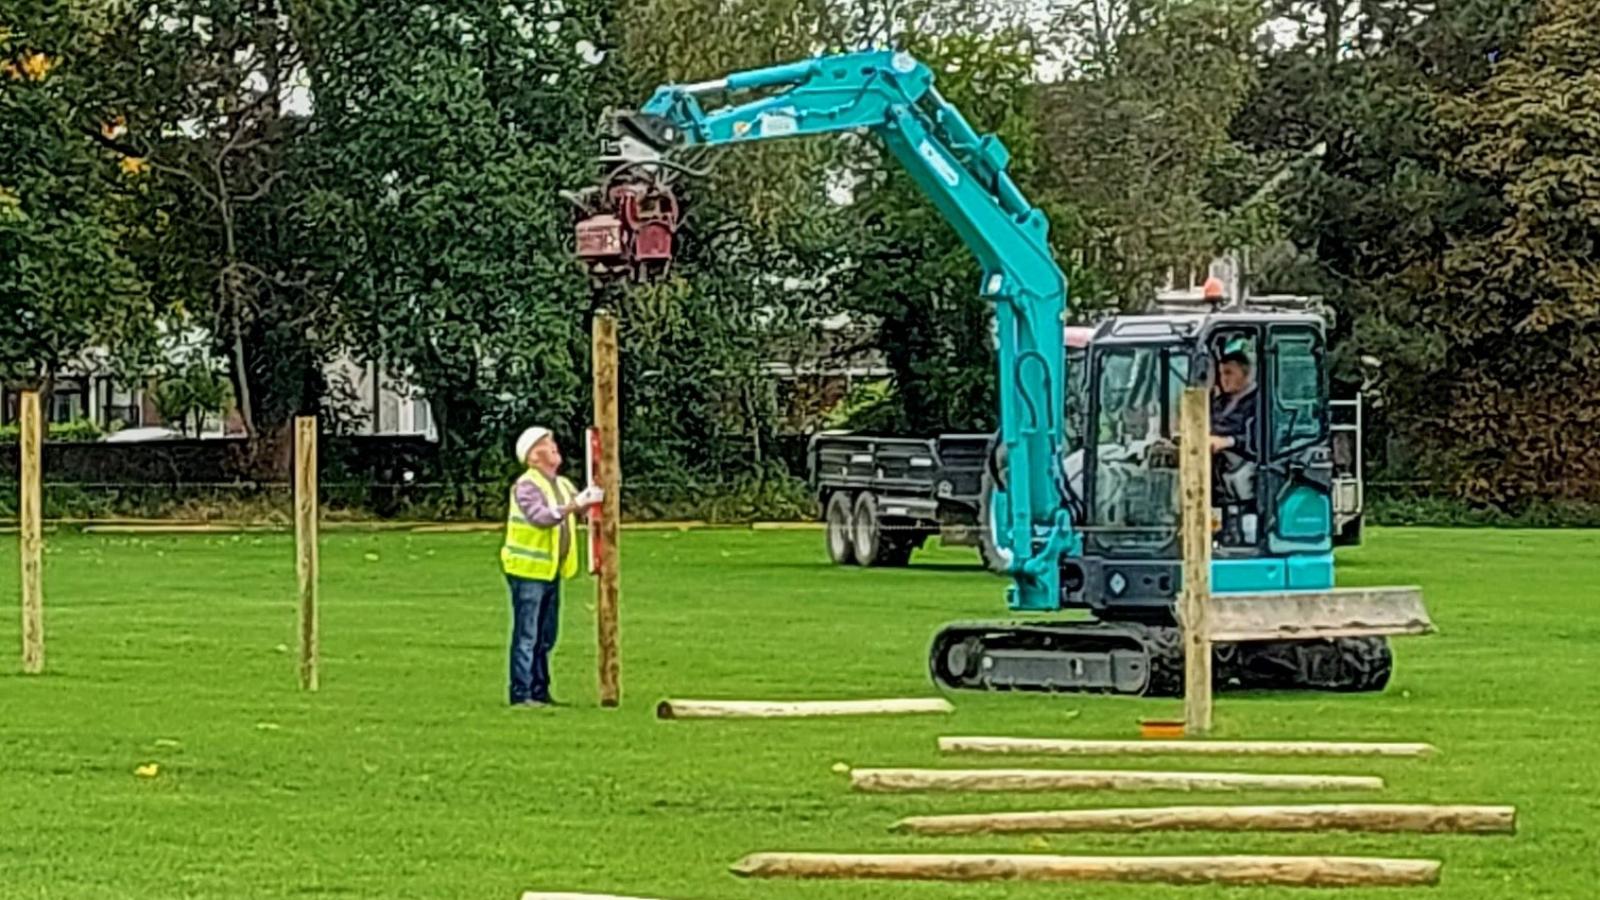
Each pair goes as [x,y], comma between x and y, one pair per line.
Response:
[32,536]
[305,533]
[1195,520]
[608,585]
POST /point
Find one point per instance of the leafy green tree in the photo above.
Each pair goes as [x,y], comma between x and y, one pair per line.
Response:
[444,135]
[203,97]
[907,270]
[700,404]
[192,392]
[774,189]
[1371,221]
[1515,296]
[883,259]
[1137,139]
[66,286]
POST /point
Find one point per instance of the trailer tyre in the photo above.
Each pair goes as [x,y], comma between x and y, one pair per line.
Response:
[840,518]
[874,545]
[995,558]
[1350,534]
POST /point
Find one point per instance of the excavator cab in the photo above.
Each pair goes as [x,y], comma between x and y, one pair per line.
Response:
[1272,475]
[1278,619]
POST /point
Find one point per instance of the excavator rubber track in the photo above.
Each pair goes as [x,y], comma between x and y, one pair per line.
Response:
[1347,665]
[1139,659]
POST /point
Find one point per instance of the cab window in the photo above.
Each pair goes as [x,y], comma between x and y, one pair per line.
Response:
[1299,389]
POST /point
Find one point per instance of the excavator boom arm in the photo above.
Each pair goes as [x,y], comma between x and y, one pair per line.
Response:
[965,176]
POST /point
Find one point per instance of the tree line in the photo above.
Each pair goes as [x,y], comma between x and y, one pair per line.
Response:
[300,180]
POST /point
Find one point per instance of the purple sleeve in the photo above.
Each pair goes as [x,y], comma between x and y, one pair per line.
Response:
[534,506]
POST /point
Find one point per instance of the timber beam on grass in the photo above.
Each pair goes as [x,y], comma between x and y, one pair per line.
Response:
[893,781]
[559,895]
[777,709]
[1066,747]
[1305,871]
[1374,817]
[181,528]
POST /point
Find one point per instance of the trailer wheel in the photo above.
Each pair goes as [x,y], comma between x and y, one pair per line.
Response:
[995,558]
[874,546]
[841,525]
[1349,535]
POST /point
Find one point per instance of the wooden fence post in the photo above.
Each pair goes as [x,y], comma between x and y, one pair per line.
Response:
[32,535]
[1195,521]
[608,585]
[306,508]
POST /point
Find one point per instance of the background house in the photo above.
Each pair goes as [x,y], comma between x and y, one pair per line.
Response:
[88,397]
[373,402]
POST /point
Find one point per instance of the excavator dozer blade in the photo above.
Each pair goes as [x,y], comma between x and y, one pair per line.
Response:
[1337,613]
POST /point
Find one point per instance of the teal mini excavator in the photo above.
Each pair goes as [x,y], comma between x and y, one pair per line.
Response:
[1084,517]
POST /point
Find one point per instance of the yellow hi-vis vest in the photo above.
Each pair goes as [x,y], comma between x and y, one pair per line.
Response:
[530,550]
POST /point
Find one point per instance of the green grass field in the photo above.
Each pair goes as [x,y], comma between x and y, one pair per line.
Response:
[408,777]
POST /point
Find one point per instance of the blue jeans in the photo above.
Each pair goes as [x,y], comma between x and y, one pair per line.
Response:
[535,617]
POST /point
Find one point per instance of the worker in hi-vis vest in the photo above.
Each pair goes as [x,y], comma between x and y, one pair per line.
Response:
[539,552]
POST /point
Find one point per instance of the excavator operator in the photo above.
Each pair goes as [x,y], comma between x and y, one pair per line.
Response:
[1233,450]
[1233,407]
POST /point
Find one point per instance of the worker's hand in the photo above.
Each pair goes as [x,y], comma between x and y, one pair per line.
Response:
[1221,443]
[589,496]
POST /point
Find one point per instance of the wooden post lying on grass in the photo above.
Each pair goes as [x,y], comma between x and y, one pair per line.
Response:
[1376,817]
[305,541]
[763,709]
[894,781]
[541,895]
[608,585]
[1194,519]
[1049,747]
[30,519]
[1310,871]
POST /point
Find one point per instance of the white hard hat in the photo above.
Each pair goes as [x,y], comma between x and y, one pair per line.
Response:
[528,439]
